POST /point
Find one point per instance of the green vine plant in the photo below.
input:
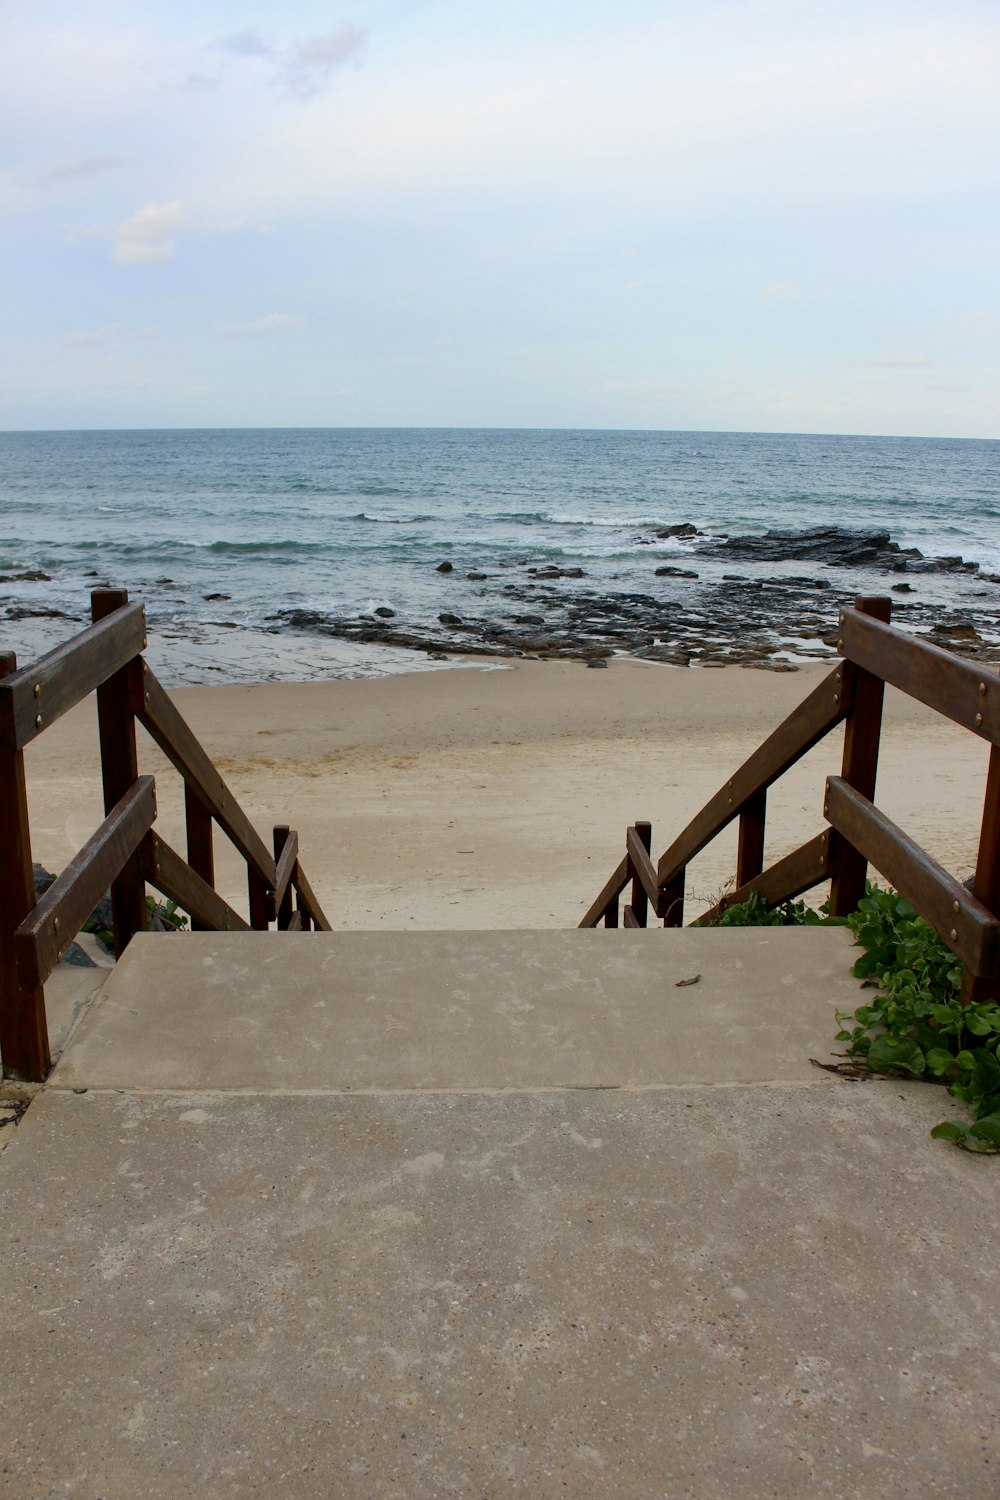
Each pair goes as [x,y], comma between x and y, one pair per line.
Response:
[915,1024]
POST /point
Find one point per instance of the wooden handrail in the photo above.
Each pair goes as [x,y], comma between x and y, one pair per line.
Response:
[958,689]
[874,654]
[34,698]
[804,727]
[972,932]
[60,913]
[807,866]
[125,853]
[158,714]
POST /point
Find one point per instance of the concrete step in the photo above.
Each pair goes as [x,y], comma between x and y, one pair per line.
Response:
[357,1011]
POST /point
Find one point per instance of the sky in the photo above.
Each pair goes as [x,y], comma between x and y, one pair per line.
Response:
[751,215]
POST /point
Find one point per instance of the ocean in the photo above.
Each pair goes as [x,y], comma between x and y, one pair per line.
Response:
[267,554]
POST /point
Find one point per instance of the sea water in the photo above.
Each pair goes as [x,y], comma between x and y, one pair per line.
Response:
[345,521]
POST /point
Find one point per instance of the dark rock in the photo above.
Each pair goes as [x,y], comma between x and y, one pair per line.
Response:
[670,572]
[36,612]
[902,588]
[529,620]
[212,598]
[33,575]
[445,567]
[596,661]
[75,956]
[447,619]
[43,878]
[384,613]
[475,577]
[683,528]
[574,573]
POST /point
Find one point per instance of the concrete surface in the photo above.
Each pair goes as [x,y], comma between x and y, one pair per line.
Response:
[356,1010]
[768,1284]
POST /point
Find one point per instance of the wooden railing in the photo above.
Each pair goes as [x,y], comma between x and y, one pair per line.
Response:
[857,832]
[126,853]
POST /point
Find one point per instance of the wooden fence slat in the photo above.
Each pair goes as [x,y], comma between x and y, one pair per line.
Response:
[637,843]
[295,922]
[962,691]
[171,731]
[308,902]
[986,886]
[970,930]
[286,851]
[24,1032]
[629,918]
[612,890]
[800,871]
[671,903]
[35,697]
[199,827]
[59,914]
[804,727]
[750,850]
[119,769]
[165,869]
[862,737]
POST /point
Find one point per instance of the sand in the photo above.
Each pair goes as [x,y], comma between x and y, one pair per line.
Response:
[499,797]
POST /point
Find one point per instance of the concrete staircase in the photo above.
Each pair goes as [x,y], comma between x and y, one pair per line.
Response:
[486,1213]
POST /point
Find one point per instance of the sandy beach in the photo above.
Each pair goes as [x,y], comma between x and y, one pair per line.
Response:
[491,798]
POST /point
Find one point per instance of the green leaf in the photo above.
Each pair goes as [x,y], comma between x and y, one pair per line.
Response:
[987,1130]
[886,1054]
[950,1130]
[938,1060]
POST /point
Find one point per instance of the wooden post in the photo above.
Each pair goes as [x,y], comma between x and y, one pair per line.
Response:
[638,900]
[750,854]
[24,1032]
[862,733]
[673,901]
[120,769]
[200,850]
[986,886]
[257,892]
[284,912]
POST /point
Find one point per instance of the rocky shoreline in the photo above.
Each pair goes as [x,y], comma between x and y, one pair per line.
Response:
[530,609]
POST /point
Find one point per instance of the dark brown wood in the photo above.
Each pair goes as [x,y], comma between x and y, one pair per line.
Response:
[612,890]
[969,929]
[258,895]
[638,840]
[862,736]
[307,901]
[986,886]
[286,852]
[120,768]
[750,852]
[671,904]
[295,922]
[59,914]
[962,691]
[804,727]
[24,1032]
[798,872]
[200,844]
[158,714]
[35,697]
[629,918]
[164,868]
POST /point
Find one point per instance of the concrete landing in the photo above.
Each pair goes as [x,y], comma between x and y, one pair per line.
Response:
[428,1215]
[436,1010]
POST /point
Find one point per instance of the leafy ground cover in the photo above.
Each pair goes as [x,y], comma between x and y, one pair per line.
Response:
[915,1024]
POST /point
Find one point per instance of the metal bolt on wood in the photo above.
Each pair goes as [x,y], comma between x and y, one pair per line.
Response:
[38,721]
[38,689]
[953,934]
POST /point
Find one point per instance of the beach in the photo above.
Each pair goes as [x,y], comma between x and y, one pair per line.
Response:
[498,797]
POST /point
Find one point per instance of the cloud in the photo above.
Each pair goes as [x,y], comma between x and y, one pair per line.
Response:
[148,235]
[901,361]
[776,289]
[259,328]
[245,44]
[315,59]
[75,169]
[85,338]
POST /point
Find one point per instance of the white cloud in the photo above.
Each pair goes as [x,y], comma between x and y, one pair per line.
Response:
[148,235]
[85,338]
[900,361]
[314,59]
[258,328]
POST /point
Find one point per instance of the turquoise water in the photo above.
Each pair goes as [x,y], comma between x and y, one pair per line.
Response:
[341,522]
